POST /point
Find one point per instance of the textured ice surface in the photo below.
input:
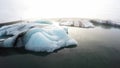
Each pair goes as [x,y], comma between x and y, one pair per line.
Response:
[36,36]
[86,24]
[79,23]
[47,39]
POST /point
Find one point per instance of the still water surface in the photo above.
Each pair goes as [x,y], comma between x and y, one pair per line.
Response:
[98,47]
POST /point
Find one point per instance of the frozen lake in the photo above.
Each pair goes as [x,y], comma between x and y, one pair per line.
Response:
[98,47]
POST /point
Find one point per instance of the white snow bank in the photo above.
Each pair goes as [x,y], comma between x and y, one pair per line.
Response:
[36,36]
[80,23]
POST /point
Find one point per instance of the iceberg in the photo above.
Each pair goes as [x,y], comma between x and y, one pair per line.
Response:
[79,23]
[38,36]
[86,24]
[67,23]
[106,22]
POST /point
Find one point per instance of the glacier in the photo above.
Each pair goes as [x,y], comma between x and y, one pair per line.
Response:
[38,36]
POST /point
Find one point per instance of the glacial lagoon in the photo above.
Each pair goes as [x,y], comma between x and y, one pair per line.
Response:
[98,47]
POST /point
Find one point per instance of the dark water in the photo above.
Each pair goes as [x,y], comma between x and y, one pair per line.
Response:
[98,48]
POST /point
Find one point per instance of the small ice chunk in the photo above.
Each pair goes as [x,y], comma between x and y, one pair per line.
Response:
[87,24]
[71,42]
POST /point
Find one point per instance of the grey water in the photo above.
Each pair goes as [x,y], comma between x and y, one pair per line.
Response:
[98,47]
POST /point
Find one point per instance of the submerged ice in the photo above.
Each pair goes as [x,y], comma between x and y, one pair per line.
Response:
[37,36]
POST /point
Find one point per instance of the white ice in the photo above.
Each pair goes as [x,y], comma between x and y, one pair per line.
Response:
[108,22]
[37,36]
[78,23]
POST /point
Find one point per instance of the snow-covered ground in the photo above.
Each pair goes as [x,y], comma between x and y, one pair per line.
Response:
[36,36]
